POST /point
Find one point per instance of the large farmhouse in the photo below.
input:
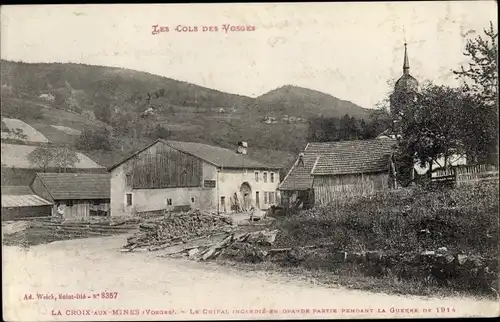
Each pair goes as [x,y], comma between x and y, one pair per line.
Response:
[176,176]
[330,170]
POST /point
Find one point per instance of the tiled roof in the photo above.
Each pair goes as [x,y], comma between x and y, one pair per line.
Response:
[217,156]
[299,177]
[77,185]
[343,157]
[21,196]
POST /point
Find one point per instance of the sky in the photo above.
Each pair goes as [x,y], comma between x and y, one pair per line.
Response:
[350,50]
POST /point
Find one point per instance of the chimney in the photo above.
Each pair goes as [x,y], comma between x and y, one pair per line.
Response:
[242,147]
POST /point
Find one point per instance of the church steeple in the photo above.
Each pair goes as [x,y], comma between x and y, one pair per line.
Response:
[406,63]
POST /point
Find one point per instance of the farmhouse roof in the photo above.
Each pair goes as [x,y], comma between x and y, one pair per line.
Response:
[62,186]
[21,196]
[336,158]
[219,157]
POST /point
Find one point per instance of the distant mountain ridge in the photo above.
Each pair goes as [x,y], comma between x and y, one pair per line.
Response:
[87,85]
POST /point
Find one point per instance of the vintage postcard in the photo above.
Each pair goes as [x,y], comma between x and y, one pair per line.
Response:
[249,161]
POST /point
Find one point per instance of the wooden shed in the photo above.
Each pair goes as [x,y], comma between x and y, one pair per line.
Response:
[329,170]
[20,202]
[75,196]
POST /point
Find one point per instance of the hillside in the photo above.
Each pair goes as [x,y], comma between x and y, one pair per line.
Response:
[304,102]
[88,85]
[62,99]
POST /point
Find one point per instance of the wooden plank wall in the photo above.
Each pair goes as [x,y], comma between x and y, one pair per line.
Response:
[330,188]
[166,167]
[465,174]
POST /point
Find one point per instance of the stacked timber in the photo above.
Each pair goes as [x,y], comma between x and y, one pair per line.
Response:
[197,235]
[173,228]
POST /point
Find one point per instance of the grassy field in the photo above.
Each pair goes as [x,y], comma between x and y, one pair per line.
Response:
[409,241]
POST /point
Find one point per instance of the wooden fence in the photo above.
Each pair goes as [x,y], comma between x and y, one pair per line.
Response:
[460,175]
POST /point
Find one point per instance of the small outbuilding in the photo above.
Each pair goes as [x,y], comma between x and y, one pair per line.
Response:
[327,171]
[20,202]
[75,196]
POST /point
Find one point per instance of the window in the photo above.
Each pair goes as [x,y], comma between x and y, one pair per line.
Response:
[265,198]
[272,176]
[69,203]
[129,199]
[128,179]
[192,199]
[256,176]
[272,198]
[169,202]
[265,176]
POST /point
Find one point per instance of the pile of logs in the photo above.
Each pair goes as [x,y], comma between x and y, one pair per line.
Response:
[173,229]
[198,237]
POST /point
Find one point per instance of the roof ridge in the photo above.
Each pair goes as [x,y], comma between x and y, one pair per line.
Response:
[315,163]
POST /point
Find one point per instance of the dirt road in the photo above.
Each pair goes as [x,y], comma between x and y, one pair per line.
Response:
[148,288]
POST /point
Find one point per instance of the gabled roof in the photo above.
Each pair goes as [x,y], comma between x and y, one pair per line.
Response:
[219,157]
[336,158]
[62,186]
[299,177]
[21,196]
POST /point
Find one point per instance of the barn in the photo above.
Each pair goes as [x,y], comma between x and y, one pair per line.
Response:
[329,170]
[20,202]
[177,176]
[75,196]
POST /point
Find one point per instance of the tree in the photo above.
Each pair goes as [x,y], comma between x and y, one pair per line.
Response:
[61,158]
[18,134]
[341,129]
[430,125]
[94,139]
[41,157]
[158,132]
[481,84]
[65,158]
[103,113]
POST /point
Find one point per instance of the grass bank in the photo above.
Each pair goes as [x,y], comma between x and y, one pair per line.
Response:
[410,241]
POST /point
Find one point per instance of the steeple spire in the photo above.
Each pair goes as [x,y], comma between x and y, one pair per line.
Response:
[406,63]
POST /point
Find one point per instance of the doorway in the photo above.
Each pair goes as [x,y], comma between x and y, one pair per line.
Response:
[223,203]
[246,196]
[257,200]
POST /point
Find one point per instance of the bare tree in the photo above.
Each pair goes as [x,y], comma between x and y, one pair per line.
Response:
[65,158]
[61,158]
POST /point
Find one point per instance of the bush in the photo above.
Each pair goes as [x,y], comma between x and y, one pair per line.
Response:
[94,139]
[21,110]
[158,132]
[461,219]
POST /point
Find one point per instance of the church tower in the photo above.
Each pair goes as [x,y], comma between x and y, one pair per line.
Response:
[405,89]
